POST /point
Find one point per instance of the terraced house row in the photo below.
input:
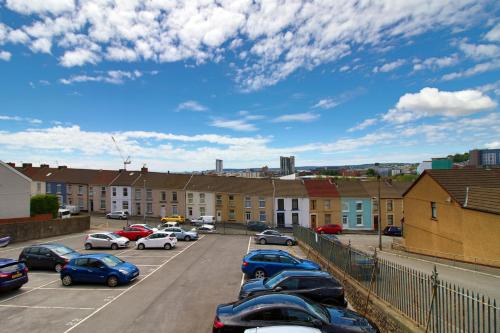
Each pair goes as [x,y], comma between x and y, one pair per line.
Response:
[280,202]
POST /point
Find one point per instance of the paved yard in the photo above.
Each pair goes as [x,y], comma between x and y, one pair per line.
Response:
[177,290]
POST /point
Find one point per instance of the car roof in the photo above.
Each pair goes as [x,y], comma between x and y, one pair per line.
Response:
[304,273]
[48,245]
[269,251]
[7,261]
[270,300]
[94,255]
[283,328]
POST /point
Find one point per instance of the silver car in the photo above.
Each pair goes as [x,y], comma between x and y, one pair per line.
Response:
[105,240]
[182,234]
[274,237]
[120,215]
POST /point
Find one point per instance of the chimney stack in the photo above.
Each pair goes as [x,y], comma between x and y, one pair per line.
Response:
[61,167]
[144,169]
[44,166]
[27,165]
[12,164]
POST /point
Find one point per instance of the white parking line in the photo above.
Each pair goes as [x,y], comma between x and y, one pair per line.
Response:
[148,256]
[43,307]
[37,241]
[147,265]
[28,291]
[248,250]
[82,289]
[129,288]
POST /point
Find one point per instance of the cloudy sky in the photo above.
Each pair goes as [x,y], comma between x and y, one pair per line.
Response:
[179,84]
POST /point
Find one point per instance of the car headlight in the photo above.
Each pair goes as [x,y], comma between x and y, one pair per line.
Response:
[124,272]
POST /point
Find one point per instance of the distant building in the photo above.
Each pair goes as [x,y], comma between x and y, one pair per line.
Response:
[15,191]
[484,157]
[438,163]
[218,166]
[287,165]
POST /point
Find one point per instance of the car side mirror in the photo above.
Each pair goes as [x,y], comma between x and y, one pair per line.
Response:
[102,267]
[47,255]
[278,289]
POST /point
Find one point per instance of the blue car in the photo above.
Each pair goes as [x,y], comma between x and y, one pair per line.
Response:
[261,263]
[98,268]
[13,274]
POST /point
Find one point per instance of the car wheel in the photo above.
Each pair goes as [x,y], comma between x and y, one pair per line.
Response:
[88,246]
[289,242]
[108,217]
[187,238]
[67,280]
[114,246]
[141,246]
[259,274]
[167,246]
[263,241]
[58,268]
[112,281]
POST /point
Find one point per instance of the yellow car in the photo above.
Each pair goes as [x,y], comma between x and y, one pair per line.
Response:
[174,218]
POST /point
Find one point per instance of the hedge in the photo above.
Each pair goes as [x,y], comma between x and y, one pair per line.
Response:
[43,204]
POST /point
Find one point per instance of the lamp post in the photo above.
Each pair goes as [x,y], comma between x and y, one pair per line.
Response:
[145,202]
[379,216]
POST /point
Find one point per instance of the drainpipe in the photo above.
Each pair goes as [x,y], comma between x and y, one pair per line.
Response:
[466,196]
[379,216]
[274,199]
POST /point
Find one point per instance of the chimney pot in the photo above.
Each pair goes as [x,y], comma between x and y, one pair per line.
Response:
[12,164]
[44,166]
[144,169]
[62,167]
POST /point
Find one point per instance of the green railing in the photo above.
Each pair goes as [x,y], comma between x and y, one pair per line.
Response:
[433,304]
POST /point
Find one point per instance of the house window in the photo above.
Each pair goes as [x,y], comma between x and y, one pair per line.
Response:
[313,204]
[248,202]
[262,216]
[389,205]
[103,204]
[219,199]
[327,204]
[125,191]
[103,191]
[138,194]
[80,203]
[248,216]
[202,211]
[262,202]
[295,218]
[231,199]
[202,198]
[125,205]
[328,218]
[174,196]
[80,189]
[58,188]
[149,208]
[390,219]
[190,211]
[232,215]
[345,206]
[359,219]
[281,204]
[138,208]
[434,210]
[114,191]
[375,204]
[359,206]
[345,219]
[174,210]
[47,188]
[149,194]
[163,195]
[295,204]
[70,201]
[190,197]
[70,188]
[38,187]
[91,191]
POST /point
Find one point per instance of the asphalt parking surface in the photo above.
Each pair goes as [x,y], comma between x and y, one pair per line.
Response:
[177,290]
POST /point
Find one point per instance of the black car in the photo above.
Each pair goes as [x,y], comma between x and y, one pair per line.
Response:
[51,256]
[393,231]
[318,286]
[284,309]
[257,226]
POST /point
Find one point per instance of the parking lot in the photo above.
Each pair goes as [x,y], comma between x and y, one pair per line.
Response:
[177,290]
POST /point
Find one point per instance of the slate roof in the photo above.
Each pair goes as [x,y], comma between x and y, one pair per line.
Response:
[483,199]
[212,183]
[161,180]
[322,188]
[289,188]
[37,173]
[126,178]
[388,190]
[351,189]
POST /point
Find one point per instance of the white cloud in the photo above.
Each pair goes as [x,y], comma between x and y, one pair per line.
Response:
[41,45]
[493,145]
[474,70]
[494,34]
[389,67]
[326,103]
[431,102]
[113,77]
[191,106]
[344,68]
[4,55]
[121,54]
[40,6]
[299,117]
[493,87]
[364,124]
[21,119]
[480,51]
[236,125]
[79,57]
[435,63]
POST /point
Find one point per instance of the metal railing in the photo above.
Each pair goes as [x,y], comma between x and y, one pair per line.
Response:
[433,304]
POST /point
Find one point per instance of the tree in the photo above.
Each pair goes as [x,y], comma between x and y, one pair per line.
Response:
[371,173]
[44,204]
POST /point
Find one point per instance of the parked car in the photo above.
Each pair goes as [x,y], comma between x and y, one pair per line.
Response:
[279,309]
[332,238]
[205,219]
[160,239]
[98,268]
[182,234]
[4,241]
[393,231]
[262,263]
[75,210]
[206,228]
[47,256]
[118,215]
[274,237]
[105,240]
[173,218]
[63,213]
[168,225]
[257,226]
[329,229]
[13,274]
[283,329]
[144,226]
[318,286]
[133,233]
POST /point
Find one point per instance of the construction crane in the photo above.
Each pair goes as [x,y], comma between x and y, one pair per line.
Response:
[125,161]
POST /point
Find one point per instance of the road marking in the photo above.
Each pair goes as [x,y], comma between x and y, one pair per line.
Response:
[28,291]
[129,288]
[444,265]
[43,307]
[147,265]
[81,289]
[36,241]
[147,256]
[248,250]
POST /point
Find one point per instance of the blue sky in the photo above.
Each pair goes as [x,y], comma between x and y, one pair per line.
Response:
[181,84]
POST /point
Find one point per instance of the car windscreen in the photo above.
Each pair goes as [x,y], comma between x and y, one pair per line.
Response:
[62,250]
[14,267]
[111,261]
[318,310]
[273,281]
[113,235]
[147,226]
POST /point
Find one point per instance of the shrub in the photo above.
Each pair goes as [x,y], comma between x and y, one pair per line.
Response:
[44,204]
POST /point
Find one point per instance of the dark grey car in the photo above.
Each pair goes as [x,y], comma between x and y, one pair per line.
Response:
[274,237]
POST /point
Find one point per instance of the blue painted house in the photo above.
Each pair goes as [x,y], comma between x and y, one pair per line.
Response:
[355,206]
[54,185]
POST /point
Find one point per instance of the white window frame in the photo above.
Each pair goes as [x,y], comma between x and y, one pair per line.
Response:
[202,211]
[359,203]
[149,208]
[202,198]
[248,202]
[190,198]
[345,219]
[359,216]
[103,204]
[138,194]
[262,202]
[329,205]
[125,191]
[125,205]
[262,216]
[392,218]
[345,206]
[248,216]
[113,193]
[391,204]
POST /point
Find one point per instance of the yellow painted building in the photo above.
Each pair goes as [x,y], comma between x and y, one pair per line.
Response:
[324,202]
[455,214]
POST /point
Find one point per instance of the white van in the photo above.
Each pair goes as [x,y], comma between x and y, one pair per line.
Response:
[64,213]
[205,219]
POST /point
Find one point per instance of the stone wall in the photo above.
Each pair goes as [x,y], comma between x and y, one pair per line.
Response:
[27,230]
[385,316]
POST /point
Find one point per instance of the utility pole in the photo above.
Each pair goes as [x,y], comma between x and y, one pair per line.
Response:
[145,202]
[379,216]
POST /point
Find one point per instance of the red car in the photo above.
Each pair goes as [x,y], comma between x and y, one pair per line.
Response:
[134,233]
[329,229]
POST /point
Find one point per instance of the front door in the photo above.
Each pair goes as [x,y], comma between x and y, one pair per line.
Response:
[163,211]
[375,222]
[91,205]
[137,208]
[219,216]
[313,221]
[280,220]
